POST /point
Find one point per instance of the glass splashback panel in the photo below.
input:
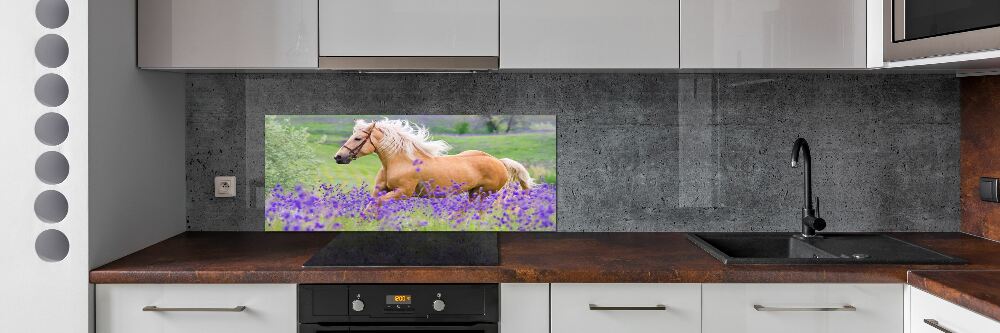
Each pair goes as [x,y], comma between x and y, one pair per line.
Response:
[410,173]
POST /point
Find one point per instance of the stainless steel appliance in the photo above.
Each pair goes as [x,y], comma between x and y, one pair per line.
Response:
[916,29]
[453,308]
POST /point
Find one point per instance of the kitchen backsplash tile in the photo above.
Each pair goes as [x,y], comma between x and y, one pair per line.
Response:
[637,152]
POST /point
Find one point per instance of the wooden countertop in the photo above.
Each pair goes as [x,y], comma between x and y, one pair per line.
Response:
[978,291]
[275,257]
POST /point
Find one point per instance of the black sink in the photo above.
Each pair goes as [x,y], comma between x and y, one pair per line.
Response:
[833,248]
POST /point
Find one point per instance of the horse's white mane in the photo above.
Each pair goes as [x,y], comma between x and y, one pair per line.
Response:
[402,136]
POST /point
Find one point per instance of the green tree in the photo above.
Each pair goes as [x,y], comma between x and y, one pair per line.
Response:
[288,158]
[491,124]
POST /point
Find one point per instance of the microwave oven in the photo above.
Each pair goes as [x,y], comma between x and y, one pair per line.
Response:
[915,29]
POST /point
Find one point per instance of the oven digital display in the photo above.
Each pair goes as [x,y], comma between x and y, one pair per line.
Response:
[398,299]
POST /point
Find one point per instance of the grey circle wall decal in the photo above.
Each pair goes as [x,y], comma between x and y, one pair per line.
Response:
[51,206]
[52,245]
[51,128]
[52,167]
[51,90]
[52,13]
[51,51]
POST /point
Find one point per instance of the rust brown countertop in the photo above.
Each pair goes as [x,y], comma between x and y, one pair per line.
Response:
[978,291]
[275,257]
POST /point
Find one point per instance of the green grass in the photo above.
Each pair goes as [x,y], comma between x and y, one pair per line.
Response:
[537,151]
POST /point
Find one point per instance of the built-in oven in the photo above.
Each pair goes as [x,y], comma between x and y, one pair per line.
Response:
[916,29]
[377,308]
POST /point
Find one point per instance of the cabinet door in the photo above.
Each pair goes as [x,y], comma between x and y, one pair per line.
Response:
[227,34]
[270,308]
[589,34]
[631,307]
[773,34]
[426,28]
[802,308]
[930,314]
[524,307]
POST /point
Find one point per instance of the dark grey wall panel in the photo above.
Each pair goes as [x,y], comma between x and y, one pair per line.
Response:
[637,152]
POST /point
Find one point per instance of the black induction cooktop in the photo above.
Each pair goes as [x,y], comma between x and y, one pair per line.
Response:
[408,248]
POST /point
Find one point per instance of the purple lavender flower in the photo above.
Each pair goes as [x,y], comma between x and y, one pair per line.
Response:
[334,207]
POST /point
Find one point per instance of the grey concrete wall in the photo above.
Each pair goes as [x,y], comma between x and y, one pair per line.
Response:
[637,152]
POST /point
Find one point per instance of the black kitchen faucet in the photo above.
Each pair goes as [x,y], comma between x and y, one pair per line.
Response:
[810,222]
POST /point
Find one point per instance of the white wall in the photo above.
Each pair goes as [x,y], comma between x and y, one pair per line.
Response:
[38,295]
[137,186]
[138,131]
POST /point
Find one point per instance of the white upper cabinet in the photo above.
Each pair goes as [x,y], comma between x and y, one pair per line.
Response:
[522,34]
[589,34]
[409,28]
[227,34]
[779,34]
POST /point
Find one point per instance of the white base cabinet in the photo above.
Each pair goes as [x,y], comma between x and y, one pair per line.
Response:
[524,307]
[802,308]
[627,307]
[570,308]
[270,308]
[930,314]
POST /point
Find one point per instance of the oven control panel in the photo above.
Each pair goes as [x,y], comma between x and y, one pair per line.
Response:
[387,303]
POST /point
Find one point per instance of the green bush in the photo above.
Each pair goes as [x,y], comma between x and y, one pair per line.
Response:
[462,128]
[288,158]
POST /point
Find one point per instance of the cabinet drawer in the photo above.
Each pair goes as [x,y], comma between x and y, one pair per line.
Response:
[269,308]
[633,308]
[946,315]
[803,308]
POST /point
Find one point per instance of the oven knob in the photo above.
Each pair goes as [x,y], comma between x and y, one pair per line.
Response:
[438,305]
[358,305]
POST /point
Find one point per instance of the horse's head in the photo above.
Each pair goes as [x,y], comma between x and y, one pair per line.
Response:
[362,142]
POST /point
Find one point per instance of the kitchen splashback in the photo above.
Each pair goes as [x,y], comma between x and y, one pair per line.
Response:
[409,173]
[636,152]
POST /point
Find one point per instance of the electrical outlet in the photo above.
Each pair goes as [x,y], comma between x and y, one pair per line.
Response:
[225,186]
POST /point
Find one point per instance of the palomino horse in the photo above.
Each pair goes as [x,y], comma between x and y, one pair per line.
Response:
[413,165]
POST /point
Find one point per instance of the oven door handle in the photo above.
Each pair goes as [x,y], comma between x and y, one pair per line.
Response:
[485,328]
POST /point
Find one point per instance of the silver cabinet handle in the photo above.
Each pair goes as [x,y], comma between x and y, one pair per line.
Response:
[595,307]
[934,323]
[769,308]
[159,309]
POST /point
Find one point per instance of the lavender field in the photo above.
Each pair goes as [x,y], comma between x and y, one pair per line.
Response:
[339,208]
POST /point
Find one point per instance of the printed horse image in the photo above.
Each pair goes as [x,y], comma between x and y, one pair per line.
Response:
[413,165]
